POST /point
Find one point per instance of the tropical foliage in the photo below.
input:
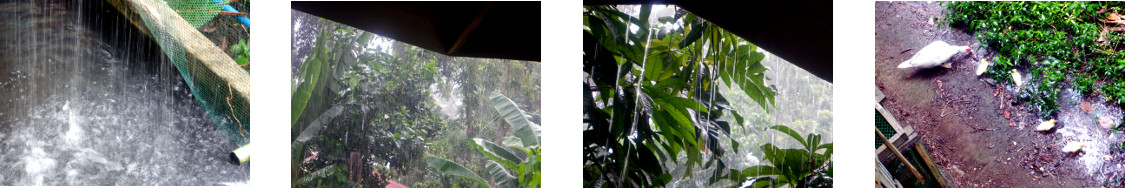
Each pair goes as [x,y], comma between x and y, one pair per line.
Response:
[367,110]
[801,167]
[658,98]
[1057,42]
[516,165]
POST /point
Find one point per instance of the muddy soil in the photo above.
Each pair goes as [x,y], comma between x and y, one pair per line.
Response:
[977,132]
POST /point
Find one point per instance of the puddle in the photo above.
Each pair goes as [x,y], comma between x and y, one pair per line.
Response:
[1080,126]
[84,105]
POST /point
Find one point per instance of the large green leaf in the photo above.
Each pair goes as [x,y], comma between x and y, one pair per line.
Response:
[653,67]
[450,168]
[674,101]
[524,128]
[696,32]
[760,170]
[310,73]
[790,162]
[529,170]
[313,75]
[646,11]
[496,152]
[663,118]
[501,176]
[791,133]
[314,128]
[765,182]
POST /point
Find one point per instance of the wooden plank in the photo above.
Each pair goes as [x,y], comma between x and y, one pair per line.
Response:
[899,141]
[883,177]
[891,119]
[902,158]
[208,64]
[879,96]
[903,138]
[930,164]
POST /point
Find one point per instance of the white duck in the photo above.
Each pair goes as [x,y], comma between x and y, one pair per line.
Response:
[937,53]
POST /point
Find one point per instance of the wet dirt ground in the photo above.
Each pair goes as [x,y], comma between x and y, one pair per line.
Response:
[977,132]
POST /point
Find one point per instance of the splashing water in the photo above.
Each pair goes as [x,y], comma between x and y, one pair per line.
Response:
[85,99]
[74,133]
[1084,127]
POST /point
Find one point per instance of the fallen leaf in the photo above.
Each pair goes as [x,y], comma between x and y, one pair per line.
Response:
[1073,147]
[982,67]
[1086,107]
[1106,122]
[1046,125]
[1007,114]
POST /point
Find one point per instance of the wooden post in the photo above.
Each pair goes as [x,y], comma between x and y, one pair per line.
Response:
[900,157]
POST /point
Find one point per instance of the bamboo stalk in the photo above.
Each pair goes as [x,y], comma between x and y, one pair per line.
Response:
[894,150]
[930,163]
[241,155]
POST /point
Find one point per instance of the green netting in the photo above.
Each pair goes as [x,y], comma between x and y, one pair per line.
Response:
[221,89]
[884,127]
[197,12]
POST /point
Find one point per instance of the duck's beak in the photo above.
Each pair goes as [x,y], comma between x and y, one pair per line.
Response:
[971,54]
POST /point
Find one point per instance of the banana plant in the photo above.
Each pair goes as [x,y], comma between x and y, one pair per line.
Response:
[799,167]
[651,94]
[516,164]
[338,96]
[327,176]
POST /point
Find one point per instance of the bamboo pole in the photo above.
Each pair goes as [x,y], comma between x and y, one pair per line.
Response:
[241,155]
[930,163]
[894,150]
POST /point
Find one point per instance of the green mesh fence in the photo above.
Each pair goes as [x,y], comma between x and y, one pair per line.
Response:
[884,127]
[196,12]
[220,86]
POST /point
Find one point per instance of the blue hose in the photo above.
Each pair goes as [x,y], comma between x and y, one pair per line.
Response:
[245,21]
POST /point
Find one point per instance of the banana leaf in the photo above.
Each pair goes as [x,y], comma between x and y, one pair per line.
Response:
[524,128]
[450,168]
[496,152]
